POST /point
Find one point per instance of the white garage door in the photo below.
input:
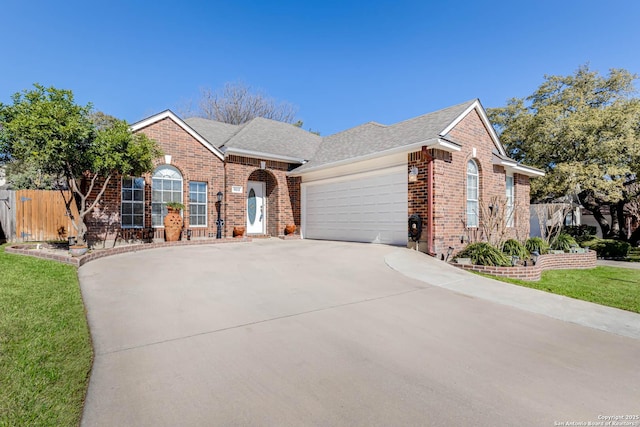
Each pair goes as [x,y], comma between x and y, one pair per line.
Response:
[362,208]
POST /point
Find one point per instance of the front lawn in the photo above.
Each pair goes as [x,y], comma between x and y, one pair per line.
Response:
[611,286]
[45,348]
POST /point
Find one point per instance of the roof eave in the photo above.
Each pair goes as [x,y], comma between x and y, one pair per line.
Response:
[261,155]
[514,166]
[438,143]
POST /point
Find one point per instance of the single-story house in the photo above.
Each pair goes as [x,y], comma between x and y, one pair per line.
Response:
[361,184]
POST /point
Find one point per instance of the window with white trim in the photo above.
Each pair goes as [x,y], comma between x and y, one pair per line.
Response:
[472,193]
[197,204]
[510,213]
[166,186]
[132,203]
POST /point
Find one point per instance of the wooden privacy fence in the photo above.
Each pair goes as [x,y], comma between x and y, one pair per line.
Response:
[35,215]
[7,215]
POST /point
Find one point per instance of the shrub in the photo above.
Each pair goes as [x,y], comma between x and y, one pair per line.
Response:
[563,242]
[580,232]
[608,248]
[512,247]
[534,244]
[484,254]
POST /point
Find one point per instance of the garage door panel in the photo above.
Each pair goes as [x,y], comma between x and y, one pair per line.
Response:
[362,209]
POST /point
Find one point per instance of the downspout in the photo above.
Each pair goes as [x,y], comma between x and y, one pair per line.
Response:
[429,159]
[225,191]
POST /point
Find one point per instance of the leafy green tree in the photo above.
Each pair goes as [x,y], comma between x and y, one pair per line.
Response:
[23,174]
[46,128]
[584,131]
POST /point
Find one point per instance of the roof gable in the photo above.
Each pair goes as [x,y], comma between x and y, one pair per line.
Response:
[168,114]
[475,105]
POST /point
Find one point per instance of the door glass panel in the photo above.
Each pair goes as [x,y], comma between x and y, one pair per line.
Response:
[251,206]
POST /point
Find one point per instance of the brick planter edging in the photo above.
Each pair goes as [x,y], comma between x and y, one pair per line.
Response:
[534,272]
[82,260]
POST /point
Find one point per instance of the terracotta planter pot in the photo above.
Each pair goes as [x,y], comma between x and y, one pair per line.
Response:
[172,225]
[78,250]
[238,231]
[290,229]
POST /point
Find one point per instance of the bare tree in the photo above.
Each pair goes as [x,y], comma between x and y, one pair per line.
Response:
[497,222]
[237,103]
[551,219]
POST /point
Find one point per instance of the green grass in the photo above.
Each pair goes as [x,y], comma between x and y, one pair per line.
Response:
[611,286]
[45,348]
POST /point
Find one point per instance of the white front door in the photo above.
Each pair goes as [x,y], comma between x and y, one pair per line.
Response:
[255,207]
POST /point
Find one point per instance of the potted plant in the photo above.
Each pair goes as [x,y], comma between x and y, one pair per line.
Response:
[173,222]
[289,229]
[238,231]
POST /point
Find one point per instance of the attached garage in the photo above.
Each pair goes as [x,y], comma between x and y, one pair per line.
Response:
[365,207]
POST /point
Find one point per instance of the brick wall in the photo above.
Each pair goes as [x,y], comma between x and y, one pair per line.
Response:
[418,193]
[194,161]
[280,209]
[534,272]
[449,208]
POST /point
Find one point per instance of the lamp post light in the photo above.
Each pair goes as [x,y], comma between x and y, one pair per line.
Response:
[219,222]
[534,257]
[449,252]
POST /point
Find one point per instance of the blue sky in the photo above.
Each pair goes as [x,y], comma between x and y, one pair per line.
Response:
[342,63]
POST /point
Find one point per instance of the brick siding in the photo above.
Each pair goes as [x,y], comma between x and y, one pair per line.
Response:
[450,178]
[197,163]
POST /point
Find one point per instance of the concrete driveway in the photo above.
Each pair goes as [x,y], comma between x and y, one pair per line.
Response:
[291,333]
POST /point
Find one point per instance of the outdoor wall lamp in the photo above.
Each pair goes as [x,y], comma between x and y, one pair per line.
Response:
[413,174]
[219,221]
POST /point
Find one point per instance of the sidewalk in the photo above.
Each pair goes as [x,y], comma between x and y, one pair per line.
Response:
[437,273]
[621,264]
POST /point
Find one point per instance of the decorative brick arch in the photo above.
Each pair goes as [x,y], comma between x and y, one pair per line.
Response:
[281,207]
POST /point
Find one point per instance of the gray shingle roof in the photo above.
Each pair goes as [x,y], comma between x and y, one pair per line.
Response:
[217,133]
[270,136]
[277,138]
[373,137]
[259,135]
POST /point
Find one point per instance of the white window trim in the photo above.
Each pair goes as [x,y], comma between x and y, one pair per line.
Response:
[173,168]
[510,219]
[132,202]
[206,205]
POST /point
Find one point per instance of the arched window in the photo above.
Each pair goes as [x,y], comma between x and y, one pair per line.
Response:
[472,194]
[166,186]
